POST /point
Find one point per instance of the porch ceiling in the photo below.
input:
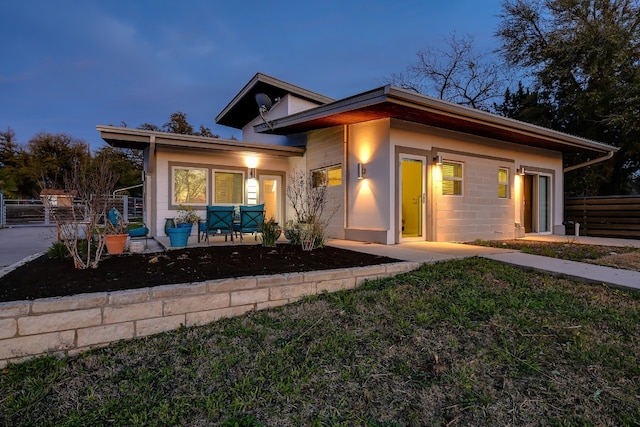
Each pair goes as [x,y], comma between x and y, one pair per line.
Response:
[390,102]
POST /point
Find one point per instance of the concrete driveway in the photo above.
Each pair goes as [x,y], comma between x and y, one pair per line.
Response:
[18,243]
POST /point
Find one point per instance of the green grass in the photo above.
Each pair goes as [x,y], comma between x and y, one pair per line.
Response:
[468,342]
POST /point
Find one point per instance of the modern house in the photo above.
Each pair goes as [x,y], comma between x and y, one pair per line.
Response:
[399,166]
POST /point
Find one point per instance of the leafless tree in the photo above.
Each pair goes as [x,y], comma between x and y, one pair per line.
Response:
[455,72]
[92,182]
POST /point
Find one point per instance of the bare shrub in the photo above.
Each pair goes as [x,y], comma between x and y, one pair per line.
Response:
[309,201]
[92,181]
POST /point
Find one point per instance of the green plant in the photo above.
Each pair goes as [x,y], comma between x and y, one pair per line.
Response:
[187,215]
[311,234]
[270,232]
[57,250]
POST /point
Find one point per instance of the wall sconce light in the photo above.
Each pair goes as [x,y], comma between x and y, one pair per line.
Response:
[252,173]
[437,160]
[361,171]
[521,171]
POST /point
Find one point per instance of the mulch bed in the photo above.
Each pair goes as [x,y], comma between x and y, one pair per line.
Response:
[45,277]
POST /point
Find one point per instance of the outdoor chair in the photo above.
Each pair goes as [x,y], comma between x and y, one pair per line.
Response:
[219,221]
[114,216]
[251,217]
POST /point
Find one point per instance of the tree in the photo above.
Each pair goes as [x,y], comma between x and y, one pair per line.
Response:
[127,164]
[455,73]
[584,59]
[11,157]
[50,156]
[178,124]
[92,180]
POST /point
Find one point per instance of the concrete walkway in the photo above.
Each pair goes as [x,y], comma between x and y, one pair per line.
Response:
[429,252]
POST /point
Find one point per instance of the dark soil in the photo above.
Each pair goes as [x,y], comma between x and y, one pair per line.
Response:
[45,277]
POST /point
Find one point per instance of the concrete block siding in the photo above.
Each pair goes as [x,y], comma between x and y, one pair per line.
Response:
[74,324]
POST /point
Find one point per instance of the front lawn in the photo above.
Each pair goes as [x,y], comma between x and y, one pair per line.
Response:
[462,343]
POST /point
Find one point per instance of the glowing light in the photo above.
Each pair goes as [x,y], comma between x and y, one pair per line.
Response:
[251,161]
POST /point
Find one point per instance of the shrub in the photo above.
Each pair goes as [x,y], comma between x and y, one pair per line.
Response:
[270,232]
[58,250]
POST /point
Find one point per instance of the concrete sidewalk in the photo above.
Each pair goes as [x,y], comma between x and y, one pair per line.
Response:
[429,252]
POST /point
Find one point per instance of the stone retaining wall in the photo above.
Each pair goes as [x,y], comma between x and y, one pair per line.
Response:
[77,323]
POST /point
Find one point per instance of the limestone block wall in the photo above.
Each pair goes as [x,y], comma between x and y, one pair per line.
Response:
[74,324]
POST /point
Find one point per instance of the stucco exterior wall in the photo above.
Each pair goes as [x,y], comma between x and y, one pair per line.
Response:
[326,148]
[479,213]
[221,161]
[369,206]
[286,106]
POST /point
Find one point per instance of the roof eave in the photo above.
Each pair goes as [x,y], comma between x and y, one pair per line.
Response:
[140,139]
[391,95]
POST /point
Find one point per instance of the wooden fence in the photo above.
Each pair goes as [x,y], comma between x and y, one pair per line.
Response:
[609,216]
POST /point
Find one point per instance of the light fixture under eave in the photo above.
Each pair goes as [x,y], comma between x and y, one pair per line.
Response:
[252,173]
[521,171]
[361,171]
[437,160]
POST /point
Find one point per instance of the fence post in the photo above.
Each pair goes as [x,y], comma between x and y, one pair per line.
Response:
[125,206]
[3,211]
[47,212]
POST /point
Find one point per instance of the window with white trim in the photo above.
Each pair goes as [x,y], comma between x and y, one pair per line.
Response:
[503,183]
[189,186]
[451,178]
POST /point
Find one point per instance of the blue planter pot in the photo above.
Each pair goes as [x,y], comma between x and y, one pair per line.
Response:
[186,225]
[179,236]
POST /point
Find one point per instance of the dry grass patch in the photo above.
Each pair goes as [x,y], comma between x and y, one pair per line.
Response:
[462,343]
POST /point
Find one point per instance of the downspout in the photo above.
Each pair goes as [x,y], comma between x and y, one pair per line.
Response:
[582,165]
[590,162]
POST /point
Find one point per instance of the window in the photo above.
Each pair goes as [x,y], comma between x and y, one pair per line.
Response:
[329,176]
[503,183]
[189,186]
[228,187]
[452,179]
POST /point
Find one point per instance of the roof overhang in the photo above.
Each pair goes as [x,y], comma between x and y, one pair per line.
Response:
[243,108]
[140,139]
[391,102]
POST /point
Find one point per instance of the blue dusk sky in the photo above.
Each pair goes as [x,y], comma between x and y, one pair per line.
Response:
[68,66]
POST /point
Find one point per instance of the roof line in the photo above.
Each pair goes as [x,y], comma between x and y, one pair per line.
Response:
[396,95]
[261,77]
[179,140]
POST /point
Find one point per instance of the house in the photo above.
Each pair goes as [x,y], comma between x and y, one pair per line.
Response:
[399,166]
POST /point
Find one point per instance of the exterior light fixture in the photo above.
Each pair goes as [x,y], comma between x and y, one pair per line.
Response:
[252,173]
[361,171]
[437,160]
[521,171]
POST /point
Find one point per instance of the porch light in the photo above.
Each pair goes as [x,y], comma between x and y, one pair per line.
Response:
[521,171]
[252,173]
[437,160]
[361,171]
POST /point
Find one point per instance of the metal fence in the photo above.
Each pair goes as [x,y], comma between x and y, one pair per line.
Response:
[35,212]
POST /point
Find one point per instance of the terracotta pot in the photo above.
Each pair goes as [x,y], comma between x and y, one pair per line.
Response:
[115,243]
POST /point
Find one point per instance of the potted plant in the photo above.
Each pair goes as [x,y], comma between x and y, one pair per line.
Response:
[115,236]
[186,217]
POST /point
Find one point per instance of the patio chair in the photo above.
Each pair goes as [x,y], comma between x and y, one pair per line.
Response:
[219,220]
[251,217]
[133,230]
